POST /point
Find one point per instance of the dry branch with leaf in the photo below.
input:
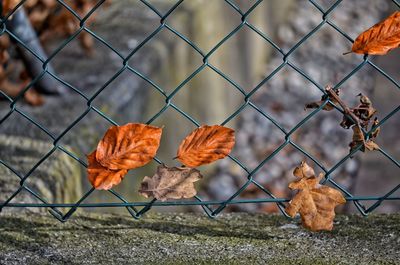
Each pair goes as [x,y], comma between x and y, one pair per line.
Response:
[357,118]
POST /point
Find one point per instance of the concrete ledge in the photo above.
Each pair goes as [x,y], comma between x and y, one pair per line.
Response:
[34,238]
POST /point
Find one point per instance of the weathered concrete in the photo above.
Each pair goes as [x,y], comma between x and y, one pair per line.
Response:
[58,179]
[195,239]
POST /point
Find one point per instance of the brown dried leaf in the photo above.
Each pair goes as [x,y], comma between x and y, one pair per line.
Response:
[358,138]
[103,178]
[129,146]
[380,38]
[377,130]
[170,183]
[315,203]
[327,107]
[364,111]
[205,145]
[303,171]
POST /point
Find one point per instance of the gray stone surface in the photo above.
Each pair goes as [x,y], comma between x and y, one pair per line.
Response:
[58,179]
[195,239]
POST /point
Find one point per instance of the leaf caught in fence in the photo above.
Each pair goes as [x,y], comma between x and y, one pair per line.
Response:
[316,203]
[380,38]
[357,118]
[359,139]
[129,146]
[205,145]
[101,177]
[328,106]
[364,111]
[170,183]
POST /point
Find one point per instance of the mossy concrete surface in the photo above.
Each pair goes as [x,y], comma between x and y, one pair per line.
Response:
[37,238]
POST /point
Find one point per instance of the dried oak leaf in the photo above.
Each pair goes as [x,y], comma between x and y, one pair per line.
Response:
[316,203]
[129,146]
[328,106]
[205,145]
[380,38]
[170,183]
[364,111]
[101,177]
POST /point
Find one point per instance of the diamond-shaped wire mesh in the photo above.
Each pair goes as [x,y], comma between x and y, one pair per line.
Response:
[211,207]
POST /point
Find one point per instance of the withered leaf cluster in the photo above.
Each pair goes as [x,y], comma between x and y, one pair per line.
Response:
[49,19]
[357,118]
[316,203]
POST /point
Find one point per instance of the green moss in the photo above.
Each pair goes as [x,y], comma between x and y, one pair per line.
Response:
[191,238]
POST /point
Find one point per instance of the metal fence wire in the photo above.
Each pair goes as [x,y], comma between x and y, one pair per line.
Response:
[211,207]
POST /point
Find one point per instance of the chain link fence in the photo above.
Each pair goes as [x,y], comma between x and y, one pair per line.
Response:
[62,211]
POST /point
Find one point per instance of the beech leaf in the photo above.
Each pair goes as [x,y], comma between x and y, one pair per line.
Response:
[205,145]
[170,183]
[129,146]
[380,38]
[101,177]
[316,203]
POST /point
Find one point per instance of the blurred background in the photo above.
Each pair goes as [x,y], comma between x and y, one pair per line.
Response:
[81,66]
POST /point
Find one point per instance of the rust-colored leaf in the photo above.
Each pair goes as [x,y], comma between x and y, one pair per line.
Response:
[205,145]
[9,5]
[170,183]
[316,203]
[129,146]
[380,38]
[103,178]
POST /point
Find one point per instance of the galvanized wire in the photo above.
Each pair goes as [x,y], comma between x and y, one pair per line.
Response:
[211,207]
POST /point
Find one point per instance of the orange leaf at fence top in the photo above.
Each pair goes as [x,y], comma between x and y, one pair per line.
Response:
[129,146]
[381,38]
[316,203]
[205,145]
[103,178]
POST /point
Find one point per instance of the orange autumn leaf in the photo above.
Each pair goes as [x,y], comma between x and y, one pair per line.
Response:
[380,38]
[129,146]
[205,145]
[9,5]
[316,203]
[103,178]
